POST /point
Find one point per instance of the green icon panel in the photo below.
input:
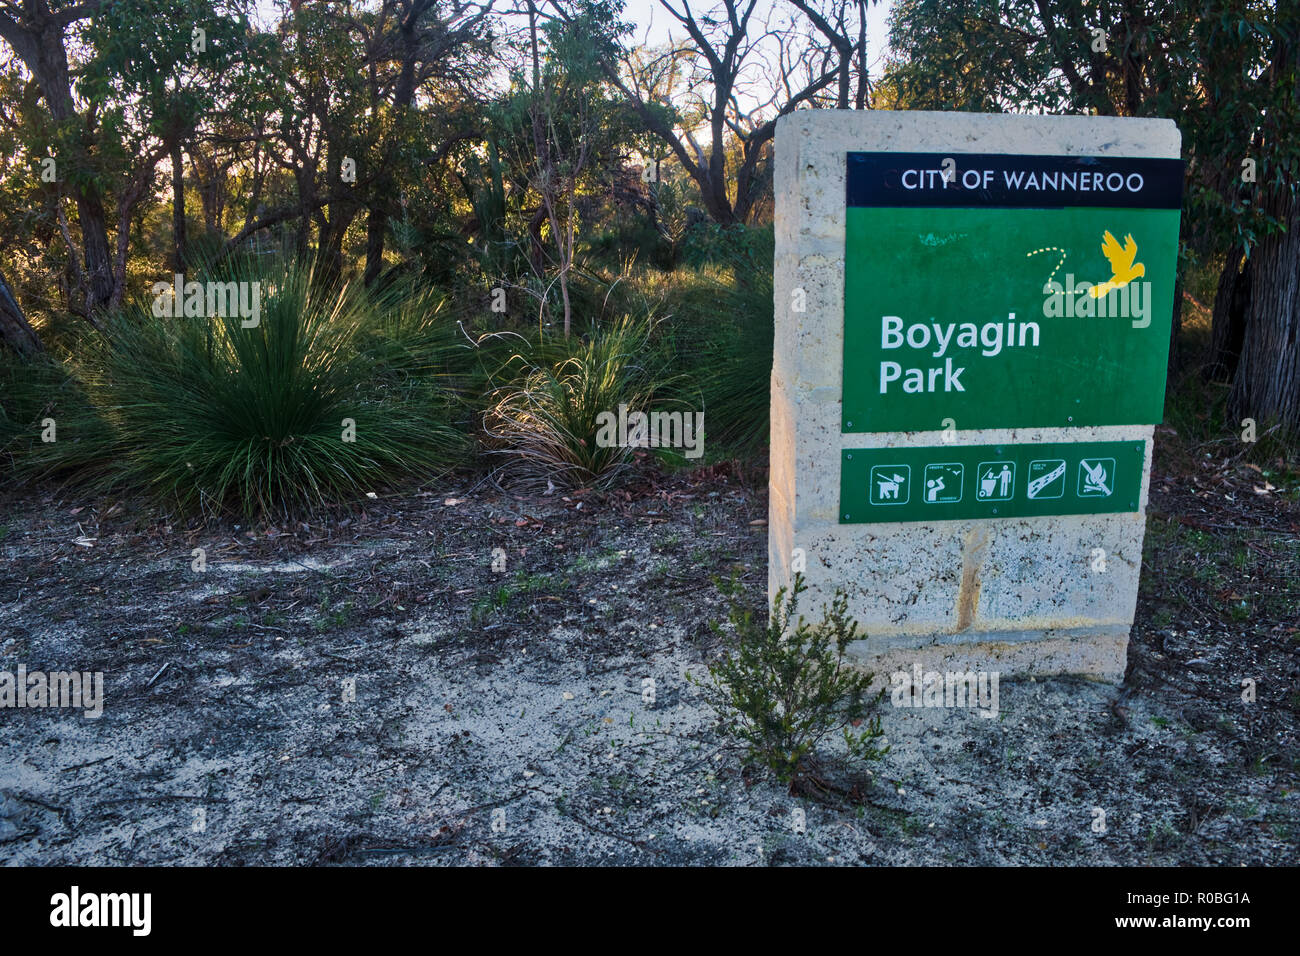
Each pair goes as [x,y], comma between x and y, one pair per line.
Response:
[990,481]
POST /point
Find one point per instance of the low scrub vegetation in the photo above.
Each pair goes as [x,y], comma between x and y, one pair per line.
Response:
[782,689]
[335,390]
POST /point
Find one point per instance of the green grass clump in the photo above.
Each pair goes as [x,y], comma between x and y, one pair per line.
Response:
[33,390]
[208,414]
[543,426]
[718,332]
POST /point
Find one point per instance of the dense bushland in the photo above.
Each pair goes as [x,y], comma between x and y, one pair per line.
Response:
[341,390]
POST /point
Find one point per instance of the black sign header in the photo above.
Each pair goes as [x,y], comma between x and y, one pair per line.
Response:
[984,180]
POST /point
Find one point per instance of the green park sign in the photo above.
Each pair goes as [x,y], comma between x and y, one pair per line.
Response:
[1007,291]
[971,329]
[987,291]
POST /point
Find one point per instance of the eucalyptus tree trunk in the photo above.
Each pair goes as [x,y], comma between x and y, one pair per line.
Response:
[15,331]
[38,37]
[1228,327]
[179,238]
[1267,383]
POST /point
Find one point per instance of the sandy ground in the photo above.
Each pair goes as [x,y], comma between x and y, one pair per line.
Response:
[503,717]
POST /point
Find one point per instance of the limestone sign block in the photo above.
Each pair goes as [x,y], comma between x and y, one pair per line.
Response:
[972,319]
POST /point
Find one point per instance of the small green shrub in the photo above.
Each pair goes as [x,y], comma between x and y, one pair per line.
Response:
[782,692]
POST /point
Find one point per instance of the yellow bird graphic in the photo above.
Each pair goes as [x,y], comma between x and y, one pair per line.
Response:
[1121,264]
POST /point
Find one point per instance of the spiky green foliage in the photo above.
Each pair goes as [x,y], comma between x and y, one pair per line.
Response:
[544,426]
[722,333]
[782,691]
[208,414]
[733,366]
[33,389]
